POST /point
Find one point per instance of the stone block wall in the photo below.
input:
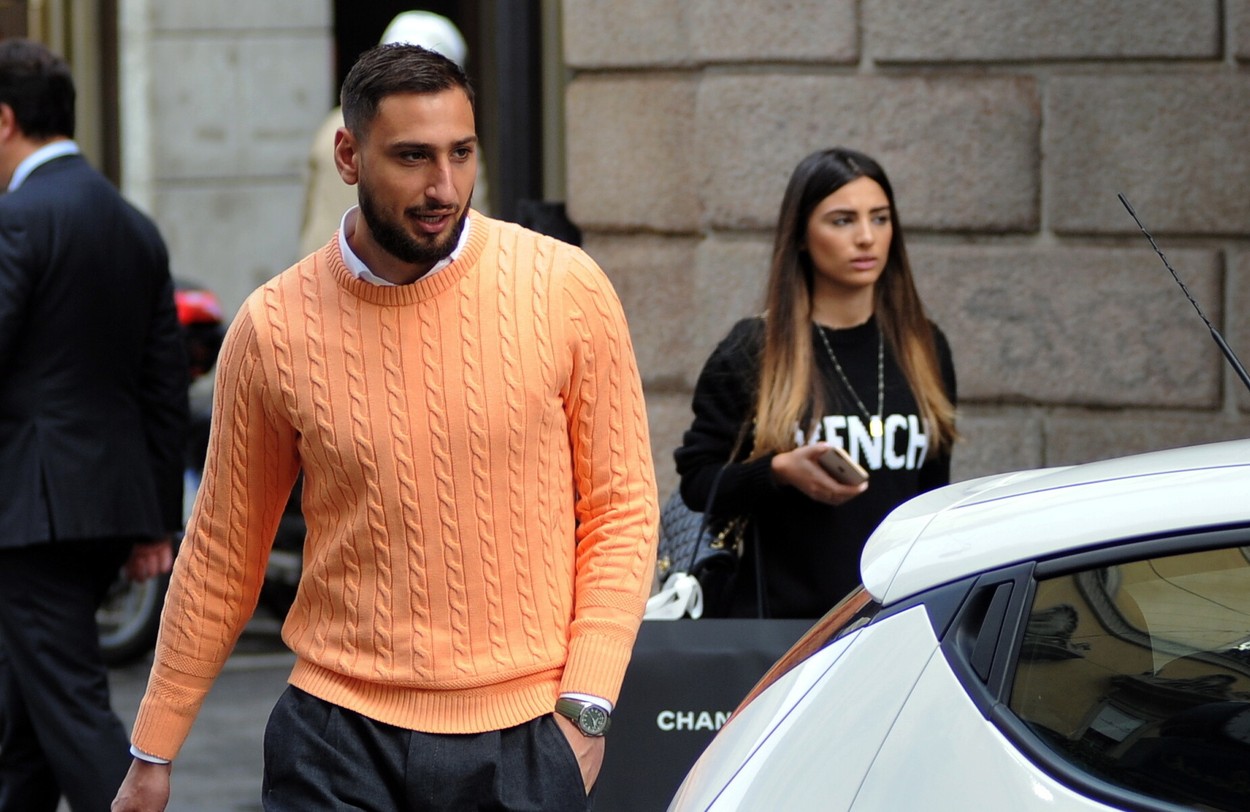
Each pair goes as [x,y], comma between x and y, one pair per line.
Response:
[1008,128]
[220,103]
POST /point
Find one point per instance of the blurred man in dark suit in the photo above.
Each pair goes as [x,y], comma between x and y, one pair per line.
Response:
[93,414]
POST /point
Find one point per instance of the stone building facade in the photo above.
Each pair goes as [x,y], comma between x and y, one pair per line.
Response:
[219,102]
[212,104]
[1008,128]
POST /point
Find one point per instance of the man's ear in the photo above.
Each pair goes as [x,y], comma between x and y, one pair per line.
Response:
[8,122]
[347,156]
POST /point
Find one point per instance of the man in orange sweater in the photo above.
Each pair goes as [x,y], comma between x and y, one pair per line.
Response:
[462,397]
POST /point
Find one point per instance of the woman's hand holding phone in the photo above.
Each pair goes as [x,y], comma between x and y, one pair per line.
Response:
[841,467]
[802,468]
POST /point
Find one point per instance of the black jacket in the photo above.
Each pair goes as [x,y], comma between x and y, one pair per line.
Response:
[93,376]
[810,551]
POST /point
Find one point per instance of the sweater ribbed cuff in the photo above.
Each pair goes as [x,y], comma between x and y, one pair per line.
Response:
[166,714]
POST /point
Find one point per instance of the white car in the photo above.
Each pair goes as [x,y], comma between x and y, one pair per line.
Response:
[1061,639]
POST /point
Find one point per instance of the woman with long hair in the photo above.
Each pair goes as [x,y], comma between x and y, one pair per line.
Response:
[844,356]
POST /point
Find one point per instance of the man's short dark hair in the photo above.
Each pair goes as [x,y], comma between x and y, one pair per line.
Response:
[386,70]
[38,86]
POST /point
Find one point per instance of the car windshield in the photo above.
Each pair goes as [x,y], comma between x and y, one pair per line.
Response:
[852,612]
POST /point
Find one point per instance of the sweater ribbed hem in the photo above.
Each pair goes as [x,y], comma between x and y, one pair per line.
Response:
[491,707]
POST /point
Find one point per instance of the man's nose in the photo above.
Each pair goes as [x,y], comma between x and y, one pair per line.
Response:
[441,188]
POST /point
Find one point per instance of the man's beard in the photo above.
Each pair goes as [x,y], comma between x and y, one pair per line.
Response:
[398,242]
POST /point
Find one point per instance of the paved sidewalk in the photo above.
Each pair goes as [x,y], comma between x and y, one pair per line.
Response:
[219,769]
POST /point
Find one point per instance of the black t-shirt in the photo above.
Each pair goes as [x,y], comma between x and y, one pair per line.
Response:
[810,551]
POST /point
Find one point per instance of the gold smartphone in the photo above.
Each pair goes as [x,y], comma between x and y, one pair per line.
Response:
[841,467]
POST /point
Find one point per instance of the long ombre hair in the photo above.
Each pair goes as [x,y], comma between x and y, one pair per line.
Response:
[789,393]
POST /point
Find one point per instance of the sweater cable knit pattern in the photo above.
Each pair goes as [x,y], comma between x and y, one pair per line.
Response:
[545,348]
[362,433]
[406,474]
[478,491]
[475,404]
[442,458]
[513,379]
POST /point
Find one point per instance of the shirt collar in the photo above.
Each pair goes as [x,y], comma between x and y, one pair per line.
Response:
[39,157]
[362,272]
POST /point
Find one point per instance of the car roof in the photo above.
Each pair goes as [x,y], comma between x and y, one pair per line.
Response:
[987,523]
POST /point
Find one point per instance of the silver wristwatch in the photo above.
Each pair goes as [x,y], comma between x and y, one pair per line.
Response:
[590,719]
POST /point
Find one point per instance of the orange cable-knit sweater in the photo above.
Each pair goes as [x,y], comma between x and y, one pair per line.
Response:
[478,491]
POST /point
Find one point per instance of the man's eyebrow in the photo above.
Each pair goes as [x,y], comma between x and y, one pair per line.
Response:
[469,140]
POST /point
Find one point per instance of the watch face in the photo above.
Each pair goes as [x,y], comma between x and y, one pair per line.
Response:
[592,721]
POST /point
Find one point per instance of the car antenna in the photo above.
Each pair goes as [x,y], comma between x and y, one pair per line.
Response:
[1219,339]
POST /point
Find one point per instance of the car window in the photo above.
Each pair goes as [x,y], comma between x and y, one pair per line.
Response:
[1139,674]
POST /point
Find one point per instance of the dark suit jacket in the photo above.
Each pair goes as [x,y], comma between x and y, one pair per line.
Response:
[93,375]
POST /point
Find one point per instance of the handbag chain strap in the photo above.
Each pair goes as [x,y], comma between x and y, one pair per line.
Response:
[705,519]
[737,527]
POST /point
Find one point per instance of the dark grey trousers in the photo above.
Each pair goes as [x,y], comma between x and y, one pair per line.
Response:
[58,733]
[319,756]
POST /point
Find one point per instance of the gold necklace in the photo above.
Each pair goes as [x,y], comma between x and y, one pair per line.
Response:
[875,426]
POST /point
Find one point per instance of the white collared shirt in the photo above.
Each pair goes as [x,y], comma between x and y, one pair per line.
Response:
[362,272]
[41,156]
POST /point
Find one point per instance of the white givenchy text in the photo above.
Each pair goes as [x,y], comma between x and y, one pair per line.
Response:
[903,444]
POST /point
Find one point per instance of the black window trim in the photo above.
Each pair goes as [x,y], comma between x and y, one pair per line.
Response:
[1145,547]
[941,603]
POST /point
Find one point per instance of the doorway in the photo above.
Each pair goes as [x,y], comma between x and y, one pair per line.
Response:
[505,67]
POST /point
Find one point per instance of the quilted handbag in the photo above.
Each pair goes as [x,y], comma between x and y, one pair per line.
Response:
[689,544]
[692,546]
